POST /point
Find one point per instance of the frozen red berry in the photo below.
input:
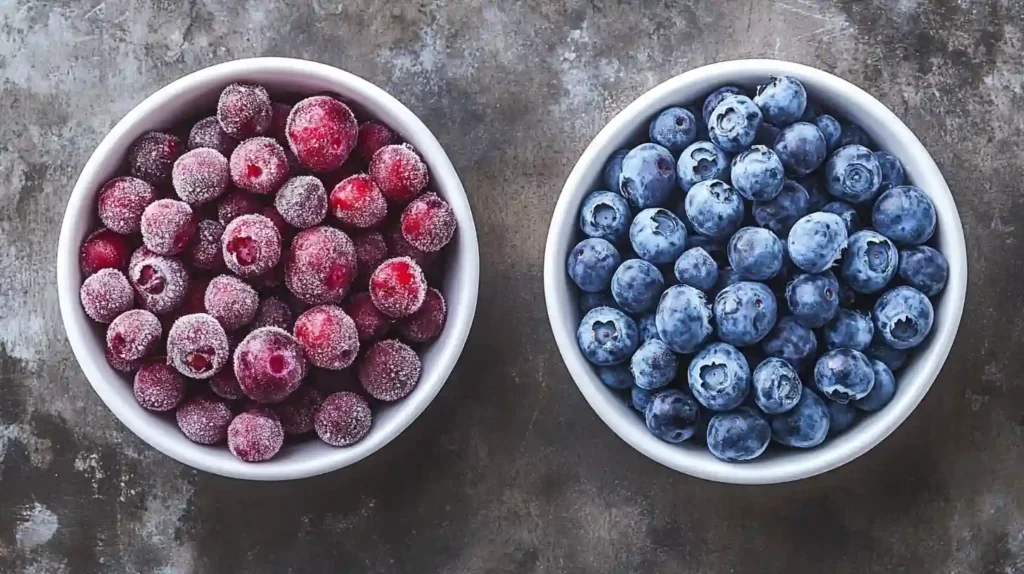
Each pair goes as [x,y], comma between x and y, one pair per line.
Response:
[321,265]
[372,137]
[167,226]
[208,133]
[269,365]
[236,204]
[343,419]
[231,301]
[204,252]
[328,337]
[370,323]
[269,281]
[389,370]
[302,201]
[259,165]
[152,156]
[398,246]
[121,365]
[106,294]
[133,335]
[158,387]
[161,282]
[273,312]
[244,111]
[251,245]
[298,411]
[358,202]
[428,223]
[104,249]
[279,121]
[200,176]
[283,227]
[322,132]
[352,166]
[255,436]
[195,298]
[425,325]
[204,419]
[398,287]
[197,346]
[399,173]
[224,384]
[370,252]
[122,201]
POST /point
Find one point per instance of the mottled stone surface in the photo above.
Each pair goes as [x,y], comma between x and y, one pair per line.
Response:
[509,470]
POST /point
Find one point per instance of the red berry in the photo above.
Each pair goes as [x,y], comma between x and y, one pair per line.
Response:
[152,157]
[273,312]
[236,204]
[372,137]
[121,365]
[158,387]
[279,121]
[321,265]
[106,294]
[255,436]
[133,335]
[122,201]
[371,324]
[343,419]
[283,227]
[302,201]
[195,297]
[251,245]
[204,419]
[244,111]
[352,166]
[167,226]
[231,301]
[298,411]
[208,133]
[224,384]
[425,325]
[205,252]
[269,281]
[358,202]
[269,365]
[161,282]
[259,165]
[197,346]
[399,173]
[428,223]
[389,370]
[200,176]
[370,252]
[328,337]
[398,287]
[104,249]
[398,246]
[322,132]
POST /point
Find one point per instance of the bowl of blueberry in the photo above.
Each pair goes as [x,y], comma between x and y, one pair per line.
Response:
[268,269]
[755,272]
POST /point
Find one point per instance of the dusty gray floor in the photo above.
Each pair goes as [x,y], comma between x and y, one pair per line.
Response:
[509,470]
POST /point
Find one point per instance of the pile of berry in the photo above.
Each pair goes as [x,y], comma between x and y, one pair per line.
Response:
[272,242]
[756,272]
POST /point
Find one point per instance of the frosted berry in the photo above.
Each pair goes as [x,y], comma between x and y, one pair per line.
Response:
[370,323]
[197,346]
[269,281]
[372,137]
[133,335]
[231,301]
[106,294]
[161,282]
[302,201]
[225,385]
[398,287]
[399,173]
[255,436]
[298,411]
[236,204]
[244,111]
[195,298]
[322,132]
[343,419]
[284,228]
[390,370]
[279,121]
[328,337]
[398,246]
[428,223]
[352,166]
[251,245]
[121,365]
[269,365]
[200,176]
[208,133]
[204,419]
[358,202]
[370,252]
[259,165]
[167,226]
[152,157]
[104,249]
[321,265]
[204,252]
[158,387]
[273,312]
[122,201]
[425,325]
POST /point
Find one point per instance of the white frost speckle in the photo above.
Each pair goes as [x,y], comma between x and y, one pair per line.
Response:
[37,526]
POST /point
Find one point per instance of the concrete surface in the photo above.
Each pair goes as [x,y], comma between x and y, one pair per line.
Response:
[509,470]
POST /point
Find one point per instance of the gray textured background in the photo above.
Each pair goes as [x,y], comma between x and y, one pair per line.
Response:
[509,470]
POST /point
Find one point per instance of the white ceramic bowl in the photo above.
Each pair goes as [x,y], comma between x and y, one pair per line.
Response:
[914,380]
[184,99]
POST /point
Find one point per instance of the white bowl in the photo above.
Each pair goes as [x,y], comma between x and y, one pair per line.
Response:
[182,100]
[914,380]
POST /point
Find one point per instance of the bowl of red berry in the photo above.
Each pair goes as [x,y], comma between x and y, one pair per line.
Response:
[268,269]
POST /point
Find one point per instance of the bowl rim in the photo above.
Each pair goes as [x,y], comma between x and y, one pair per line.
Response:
[560,304]
[444,175]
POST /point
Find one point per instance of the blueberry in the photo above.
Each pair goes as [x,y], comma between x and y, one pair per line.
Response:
[782,100]
[847,296]
[853,174]
[683,318]
[716,248]
[745,313]
[734,124]
[738,435]
[640,398]
[776,386]
[701,161]
[855,135]
[841,417]
[727,277]
[830,129]
[607,336]
[590,301]
[648,175]
[605,215]
[613,169]
[803,426]
[811,112]
[758,173]
[637,285]
[892,170]
[592,263]
[654,365]
[816,241]
[766,135]
[882,392]
[904,214]
[817,196]
[714,208]
[791,341]
[844,375]
[801,148]
[648,327]
[657,235]
[672,416]
[924,269]
[813,298]
[903,317]
[850,329]
[719,377]
[755,253]
[696,268]
[616,376]
[674,129]
[716,97]
[878,350]
[870,263]
[846,212]
[781,213]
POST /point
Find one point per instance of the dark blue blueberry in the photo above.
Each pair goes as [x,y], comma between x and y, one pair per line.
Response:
[903,317]
[716,97]
[657,235]
[592,263]
[892,170]
[878,350]
[853,174]
[855,135]
[605,215]
[882,392]
[846,212]
[648,328]
[702,125]
[782,100]
[830,129]
[719,377]
[613,169]
[904,214]
[844,375]
[766,135]
[817,196]
[758,173]
[738,435]
[841,417]
[714,208]
[801,148]
[654,365]
[816,241]
[590,301]
[701,161]
[776,386]
[791,341]
[716,248]
[637,285]
[924,269]
[648,175]
[803,426]
[811,112]
[640,398]
[847,296]
[696,268]
[870,262]
[607,336]
[734,124]
[673,416]
[755,253]
[674,129]
[813,298]
[683,318]
[850,330]
[745,313]
[616,376]
[727,277]
[781,213]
